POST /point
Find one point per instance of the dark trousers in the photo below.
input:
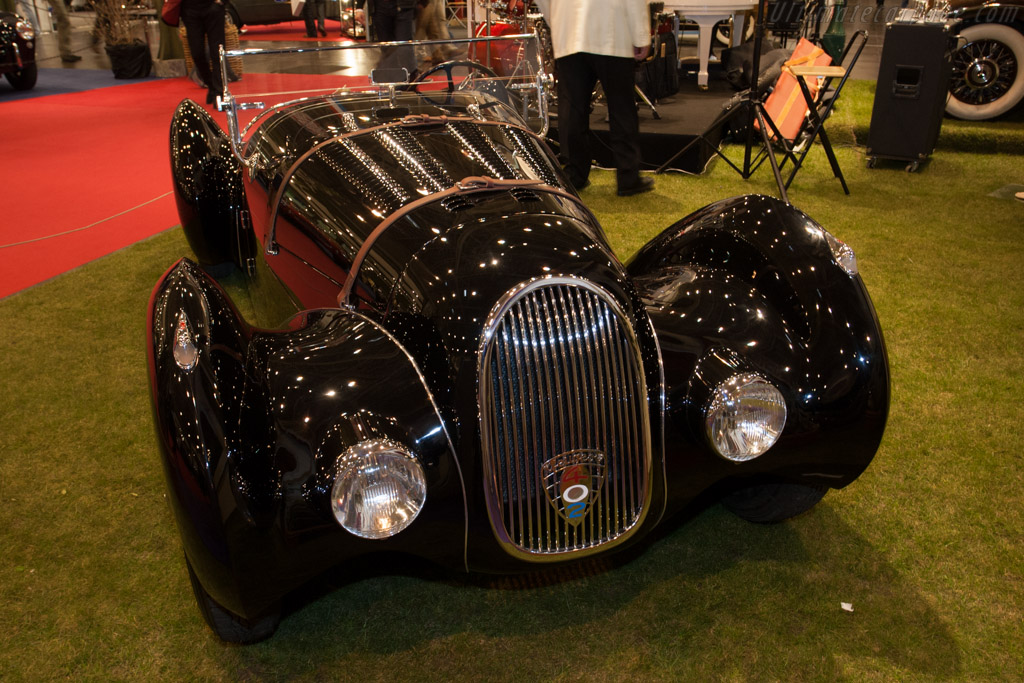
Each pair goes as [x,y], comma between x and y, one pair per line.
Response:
[205,31]
[392,24]
[578,74]
[314,13]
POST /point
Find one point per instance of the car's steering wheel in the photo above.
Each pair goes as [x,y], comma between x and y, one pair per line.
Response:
[449,68]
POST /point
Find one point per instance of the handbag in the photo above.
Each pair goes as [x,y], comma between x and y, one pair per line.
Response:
[170,13]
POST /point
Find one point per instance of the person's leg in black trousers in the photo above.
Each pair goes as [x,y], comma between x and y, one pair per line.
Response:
[391,27]
[617,76]
[214,28]
[205,33]
[576,80]
[309,18]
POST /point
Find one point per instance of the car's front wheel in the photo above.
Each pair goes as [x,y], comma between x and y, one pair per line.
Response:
[24,79]
[773,502]
[230,627]
[988,73]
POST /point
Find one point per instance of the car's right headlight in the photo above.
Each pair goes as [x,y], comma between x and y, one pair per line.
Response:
[379,489]
[25,30]
[745,417]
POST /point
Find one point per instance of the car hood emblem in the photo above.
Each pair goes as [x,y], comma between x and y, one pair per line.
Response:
[572,482]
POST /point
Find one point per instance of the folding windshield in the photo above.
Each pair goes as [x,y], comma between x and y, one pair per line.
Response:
[258,83]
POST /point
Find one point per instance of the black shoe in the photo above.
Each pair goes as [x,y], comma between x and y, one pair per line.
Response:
[642,185]
[323,33]
[211,97]
[70,58]
[582,185]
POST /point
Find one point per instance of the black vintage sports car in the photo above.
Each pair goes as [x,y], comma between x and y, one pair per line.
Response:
[18,51]
[441,355]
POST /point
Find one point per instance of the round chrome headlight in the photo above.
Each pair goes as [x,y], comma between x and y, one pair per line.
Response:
[24,29]
[378,490]
[745,417]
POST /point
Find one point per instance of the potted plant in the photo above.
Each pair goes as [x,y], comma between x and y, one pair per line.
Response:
[129,56]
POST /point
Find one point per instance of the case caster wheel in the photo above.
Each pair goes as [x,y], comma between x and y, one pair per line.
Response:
[872,161]
[913,166]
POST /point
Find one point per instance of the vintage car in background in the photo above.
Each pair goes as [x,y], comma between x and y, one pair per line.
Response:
[988,65]
[421,342]
[18,51]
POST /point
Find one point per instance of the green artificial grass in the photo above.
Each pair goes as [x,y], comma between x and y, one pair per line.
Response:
[927,545]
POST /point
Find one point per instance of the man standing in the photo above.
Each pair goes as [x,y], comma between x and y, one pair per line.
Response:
[599,40]
[430,25]
[204,29]
[60,17]
[315,14]
[394,20]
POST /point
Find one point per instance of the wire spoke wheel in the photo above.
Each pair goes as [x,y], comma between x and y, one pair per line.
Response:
[987,75]
[983,71]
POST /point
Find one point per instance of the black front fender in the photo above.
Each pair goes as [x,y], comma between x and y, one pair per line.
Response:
[750,284]
[252,423]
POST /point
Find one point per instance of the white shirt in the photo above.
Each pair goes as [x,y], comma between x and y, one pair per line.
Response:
[600,27]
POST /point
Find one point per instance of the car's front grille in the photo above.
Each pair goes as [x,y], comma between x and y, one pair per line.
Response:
[564,419]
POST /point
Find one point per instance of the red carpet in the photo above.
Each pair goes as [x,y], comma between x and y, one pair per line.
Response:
[292,31]
[77,161]
[88,173]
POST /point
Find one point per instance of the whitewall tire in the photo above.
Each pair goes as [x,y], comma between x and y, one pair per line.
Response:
[988,73]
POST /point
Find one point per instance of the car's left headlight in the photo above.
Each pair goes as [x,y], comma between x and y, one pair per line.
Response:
[379,488]
[745,417]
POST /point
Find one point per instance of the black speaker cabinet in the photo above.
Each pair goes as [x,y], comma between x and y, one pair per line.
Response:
[913,79]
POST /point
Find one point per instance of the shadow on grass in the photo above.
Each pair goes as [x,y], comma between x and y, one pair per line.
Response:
[715,592]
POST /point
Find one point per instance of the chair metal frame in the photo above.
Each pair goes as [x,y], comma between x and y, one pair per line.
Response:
[819,107]
[772,142]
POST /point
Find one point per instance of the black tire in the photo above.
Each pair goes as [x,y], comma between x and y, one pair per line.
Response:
[235,19]
[774,502]
[987,73]
[230,627]
[24,79]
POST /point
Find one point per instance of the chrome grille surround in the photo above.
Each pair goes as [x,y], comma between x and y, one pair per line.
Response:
[561,374]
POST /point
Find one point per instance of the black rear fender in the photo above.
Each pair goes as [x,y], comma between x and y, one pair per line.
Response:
[208,189]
